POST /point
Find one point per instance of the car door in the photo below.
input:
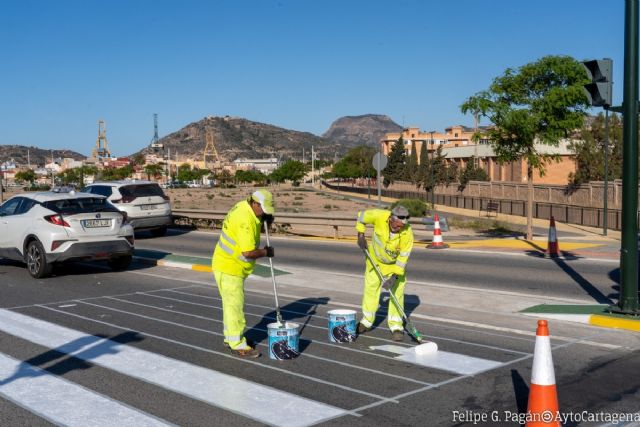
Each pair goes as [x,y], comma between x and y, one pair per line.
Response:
[8,214]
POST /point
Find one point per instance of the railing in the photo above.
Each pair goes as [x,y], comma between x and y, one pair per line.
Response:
[214,219]
[581,215]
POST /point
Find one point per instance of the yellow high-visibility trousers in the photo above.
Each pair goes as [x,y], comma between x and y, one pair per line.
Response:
[232,292]
[371,299]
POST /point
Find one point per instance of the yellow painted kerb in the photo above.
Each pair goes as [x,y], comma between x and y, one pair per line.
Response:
[615,322]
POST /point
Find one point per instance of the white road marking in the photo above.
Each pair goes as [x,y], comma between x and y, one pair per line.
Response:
[246,398]
[206,284]
[443,360]
[63,402]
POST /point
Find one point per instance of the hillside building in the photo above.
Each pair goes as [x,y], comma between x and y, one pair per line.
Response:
[458,147]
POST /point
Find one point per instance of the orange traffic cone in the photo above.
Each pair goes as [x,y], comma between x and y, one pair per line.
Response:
[553,249]
[436,242]
[543,396]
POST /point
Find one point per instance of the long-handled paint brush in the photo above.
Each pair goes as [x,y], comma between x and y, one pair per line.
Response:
[423,347]
[273,279]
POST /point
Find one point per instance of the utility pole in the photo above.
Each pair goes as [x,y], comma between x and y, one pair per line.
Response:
[628,302]
[312,167]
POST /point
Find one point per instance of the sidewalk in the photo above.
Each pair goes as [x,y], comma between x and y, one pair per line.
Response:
[575,241]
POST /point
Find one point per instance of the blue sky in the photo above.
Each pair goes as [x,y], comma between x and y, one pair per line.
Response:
[298,64]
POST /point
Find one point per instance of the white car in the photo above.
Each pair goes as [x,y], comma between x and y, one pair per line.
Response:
[44,228]
[146,205]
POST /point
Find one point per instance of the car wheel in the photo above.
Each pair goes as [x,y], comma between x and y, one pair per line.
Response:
[159,232]
[120,263]
[36,260]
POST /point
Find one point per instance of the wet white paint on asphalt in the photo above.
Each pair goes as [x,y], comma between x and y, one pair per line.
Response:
[443,360]
[249,399]
[62,401]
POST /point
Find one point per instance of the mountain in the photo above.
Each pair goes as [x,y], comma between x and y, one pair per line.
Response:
[236,137]
[367,129]
[23,155]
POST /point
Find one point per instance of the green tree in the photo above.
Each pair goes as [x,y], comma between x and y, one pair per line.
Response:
[291,170]
[423,167]
[27,175]
[395,165]
[590,150]
[356,164]
[471,173]
[115,174]
[411,168]
[154,171]
[539,103]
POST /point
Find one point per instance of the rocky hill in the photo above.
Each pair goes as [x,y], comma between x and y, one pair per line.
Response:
[236,137]
[36,156]
[367,129]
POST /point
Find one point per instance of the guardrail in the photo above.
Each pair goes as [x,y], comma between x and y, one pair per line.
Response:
[214,219]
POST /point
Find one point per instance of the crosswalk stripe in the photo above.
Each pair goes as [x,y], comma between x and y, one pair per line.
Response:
[63,402]
[243,397]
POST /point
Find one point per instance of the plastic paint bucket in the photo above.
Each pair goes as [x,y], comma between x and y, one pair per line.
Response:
[283,340]
[342,325]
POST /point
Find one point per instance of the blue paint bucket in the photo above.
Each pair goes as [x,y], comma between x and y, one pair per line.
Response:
[283,340]
[342,325]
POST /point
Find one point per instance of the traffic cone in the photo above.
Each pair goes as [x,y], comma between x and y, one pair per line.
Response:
[436,242]
[553,250]
[542,409]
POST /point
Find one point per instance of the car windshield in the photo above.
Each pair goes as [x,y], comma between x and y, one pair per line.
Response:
[81,205]
[145,190]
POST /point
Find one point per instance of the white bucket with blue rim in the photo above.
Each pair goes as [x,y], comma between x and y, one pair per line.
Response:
[342,325]
[283,340]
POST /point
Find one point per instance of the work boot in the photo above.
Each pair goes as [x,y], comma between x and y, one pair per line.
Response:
[397,335]
[250,353]
[362,329]
[249,343]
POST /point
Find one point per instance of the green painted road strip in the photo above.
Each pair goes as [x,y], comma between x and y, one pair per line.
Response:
[596,315]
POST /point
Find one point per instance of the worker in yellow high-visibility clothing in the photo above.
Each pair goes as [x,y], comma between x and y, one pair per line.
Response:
[390,248]
[233,261]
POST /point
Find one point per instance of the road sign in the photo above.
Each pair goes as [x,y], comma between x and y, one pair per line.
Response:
[379,161]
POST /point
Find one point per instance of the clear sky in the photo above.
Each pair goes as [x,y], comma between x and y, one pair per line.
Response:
[297,64]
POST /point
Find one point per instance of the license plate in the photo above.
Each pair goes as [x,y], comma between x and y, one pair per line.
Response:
[148,207]
[95,223]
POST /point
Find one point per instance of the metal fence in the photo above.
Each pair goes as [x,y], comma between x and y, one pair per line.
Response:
[581,215]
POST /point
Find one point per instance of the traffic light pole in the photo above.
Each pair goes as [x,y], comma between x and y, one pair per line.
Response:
[605,219]
[628,302]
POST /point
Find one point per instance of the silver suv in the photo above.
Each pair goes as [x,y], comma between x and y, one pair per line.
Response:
[44,228]
[146,205]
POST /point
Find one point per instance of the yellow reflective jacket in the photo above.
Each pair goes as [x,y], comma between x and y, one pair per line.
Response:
[240,233]
[390,251]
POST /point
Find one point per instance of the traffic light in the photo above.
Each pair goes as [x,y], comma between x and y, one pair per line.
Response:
[600,72]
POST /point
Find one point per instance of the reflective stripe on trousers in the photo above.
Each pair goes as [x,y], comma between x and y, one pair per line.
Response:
[371,300]
[232,292]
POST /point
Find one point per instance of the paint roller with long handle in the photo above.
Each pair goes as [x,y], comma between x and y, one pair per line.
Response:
[273,279]
[410,328]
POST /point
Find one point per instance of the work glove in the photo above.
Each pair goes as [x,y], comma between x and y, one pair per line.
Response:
[362,241]
[270,252]
[268,219]
[390,282]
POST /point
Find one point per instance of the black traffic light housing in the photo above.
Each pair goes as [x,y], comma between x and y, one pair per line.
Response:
[599,91]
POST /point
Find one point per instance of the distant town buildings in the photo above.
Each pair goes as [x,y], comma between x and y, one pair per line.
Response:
[458,147]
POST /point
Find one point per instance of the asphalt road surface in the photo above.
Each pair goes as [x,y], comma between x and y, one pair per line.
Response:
[144,347]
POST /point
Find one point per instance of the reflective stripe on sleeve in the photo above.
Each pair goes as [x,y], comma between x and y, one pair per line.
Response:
[229,239]
[225,248]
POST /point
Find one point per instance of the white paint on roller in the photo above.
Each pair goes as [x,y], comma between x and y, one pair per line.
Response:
[444,360]
[64,402]
[542,372]
[428,347]
[252,400]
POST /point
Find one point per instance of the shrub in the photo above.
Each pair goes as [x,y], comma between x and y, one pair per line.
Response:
[416,207]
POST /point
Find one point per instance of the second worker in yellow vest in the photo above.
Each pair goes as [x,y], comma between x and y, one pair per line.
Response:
[390,248]
[233,261]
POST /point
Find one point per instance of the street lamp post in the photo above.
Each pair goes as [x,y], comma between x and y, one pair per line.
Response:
[433,172]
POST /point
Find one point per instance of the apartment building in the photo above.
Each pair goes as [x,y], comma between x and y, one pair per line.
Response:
[458,147]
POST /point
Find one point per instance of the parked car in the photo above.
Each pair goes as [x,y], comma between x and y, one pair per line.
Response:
[145,203]
[45,228]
